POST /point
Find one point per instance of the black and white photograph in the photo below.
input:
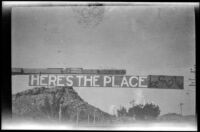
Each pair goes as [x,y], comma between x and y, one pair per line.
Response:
[103,66]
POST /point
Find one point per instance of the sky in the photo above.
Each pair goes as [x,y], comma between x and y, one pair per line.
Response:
[143,40]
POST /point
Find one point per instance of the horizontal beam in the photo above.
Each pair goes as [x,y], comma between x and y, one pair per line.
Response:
[27,71]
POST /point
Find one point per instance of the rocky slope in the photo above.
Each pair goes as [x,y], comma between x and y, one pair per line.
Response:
[57,103]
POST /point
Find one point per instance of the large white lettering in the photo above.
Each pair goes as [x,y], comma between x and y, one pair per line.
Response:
[59,78]
[69,81]
[52,79]
[79,80]
[142,79]
[106,80]
[95,79]
[42,79]
[34,79]
[131,79]
[89,79]
[124,81]
[113,82]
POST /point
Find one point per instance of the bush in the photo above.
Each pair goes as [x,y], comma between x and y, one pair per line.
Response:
[147,111]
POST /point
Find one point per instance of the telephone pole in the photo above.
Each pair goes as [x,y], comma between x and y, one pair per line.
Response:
[94,118]
[193,80]
[102,116]
[181,104]
[77,117]
[88,119]
[60,112]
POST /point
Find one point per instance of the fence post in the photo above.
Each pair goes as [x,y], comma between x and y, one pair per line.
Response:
[94,118]
[60,112]
[88,119]
[77,117]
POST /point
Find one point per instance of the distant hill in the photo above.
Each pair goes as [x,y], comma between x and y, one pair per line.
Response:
[57,103]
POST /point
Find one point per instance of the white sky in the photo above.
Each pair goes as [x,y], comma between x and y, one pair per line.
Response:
[142,40]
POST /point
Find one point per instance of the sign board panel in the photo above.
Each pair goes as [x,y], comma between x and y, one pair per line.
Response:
[160,81]
[82,80]
[116,81]
[26,71]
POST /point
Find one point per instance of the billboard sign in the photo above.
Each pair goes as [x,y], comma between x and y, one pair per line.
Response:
[116,81]
[82,80]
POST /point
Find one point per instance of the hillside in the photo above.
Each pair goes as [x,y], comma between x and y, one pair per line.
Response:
[57,103]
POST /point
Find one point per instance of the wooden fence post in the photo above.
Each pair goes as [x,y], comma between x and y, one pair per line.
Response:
[77,117]
[94,118]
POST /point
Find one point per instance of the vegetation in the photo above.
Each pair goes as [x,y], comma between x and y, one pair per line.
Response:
[140,111]
[122,112]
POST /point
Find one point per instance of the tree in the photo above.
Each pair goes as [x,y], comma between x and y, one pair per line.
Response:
[147,111]
[122,112]
[137,111]
[151,111]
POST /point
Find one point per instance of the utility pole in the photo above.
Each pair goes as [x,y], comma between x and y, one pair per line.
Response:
[88,119]
[192,82]
[94,118]
[181,104]
[60,112]
[102,116]
[77,117]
